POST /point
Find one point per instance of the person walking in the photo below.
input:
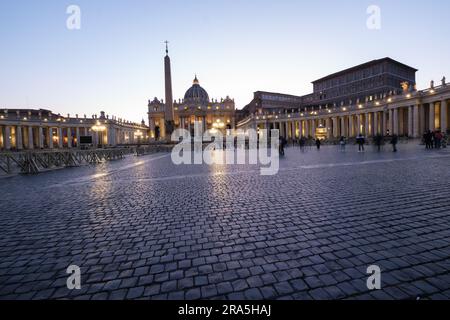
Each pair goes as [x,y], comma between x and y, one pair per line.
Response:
[378,139]
[438,139]
[318,143]
[361,141]
[283,142]
[302,144]
[342,143]
[432,140]
[444,140]
[394,142]
[426,139]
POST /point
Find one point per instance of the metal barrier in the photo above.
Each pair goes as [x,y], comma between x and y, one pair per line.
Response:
[32,162]
[36,161]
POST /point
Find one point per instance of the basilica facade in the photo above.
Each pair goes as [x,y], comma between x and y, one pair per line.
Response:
[183,113]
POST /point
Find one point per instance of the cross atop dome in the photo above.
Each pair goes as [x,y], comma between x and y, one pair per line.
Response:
[196,80]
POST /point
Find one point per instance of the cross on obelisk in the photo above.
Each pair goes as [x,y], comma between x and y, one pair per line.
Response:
[167,46]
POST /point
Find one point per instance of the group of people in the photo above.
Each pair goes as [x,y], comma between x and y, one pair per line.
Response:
[434,139]
[378,141]
[361,141]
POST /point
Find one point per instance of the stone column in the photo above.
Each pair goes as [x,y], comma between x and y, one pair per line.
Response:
[69,138]
[343,127]
[358,124]
[350,126]
[328,125]
[50,137]
[313,128]
[6,138]
[432,117]
[113,141]
[300,128]
[444,124]
[422,123]
[152,126]
[30,138]
[60,138]
[2,138]
[288,130]
[416,125]
[77,132]
[366,125]
[41,137]
[401,119]
[306,128]
[375,130]
[395,121]
[19,139]
[335,127]
[293,126]
[410,122]
[390,122]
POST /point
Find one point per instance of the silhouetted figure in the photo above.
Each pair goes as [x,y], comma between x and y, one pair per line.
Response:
[432,140]
[342,143]
[361,141]
[394,142]
[318,144]
[427,139]
[437,139]
[378,140]
[283,143]
[302,143]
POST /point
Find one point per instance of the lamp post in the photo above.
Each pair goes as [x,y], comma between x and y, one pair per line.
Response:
[99,128]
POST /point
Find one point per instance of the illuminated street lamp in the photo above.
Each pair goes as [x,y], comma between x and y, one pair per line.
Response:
[99,128]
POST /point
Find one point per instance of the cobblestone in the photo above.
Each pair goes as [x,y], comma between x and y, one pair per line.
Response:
[157,231]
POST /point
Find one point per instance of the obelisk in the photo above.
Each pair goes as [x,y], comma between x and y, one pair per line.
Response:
[168,114]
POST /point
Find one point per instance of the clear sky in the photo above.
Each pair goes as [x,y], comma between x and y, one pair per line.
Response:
[115,61]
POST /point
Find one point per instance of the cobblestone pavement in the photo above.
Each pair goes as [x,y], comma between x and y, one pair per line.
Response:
[144,228]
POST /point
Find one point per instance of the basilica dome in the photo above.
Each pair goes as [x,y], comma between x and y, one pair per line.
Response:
[196,93]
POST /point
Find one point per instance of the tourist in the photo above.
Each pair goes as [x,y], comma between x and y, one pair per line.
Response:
[361,141]
[302,143]
[427,139]
[437,139]
[283,142]
[394,142]
[342,143]
[318,143]
[432,140]
[444,140]
[378,140]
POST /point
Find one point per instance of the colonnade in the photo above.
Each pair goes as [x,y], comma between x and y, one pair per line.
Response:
[402,120]
[19,136]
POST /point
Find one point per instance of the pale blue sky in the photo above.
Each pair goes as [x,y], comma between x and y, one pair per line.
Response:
[115,62]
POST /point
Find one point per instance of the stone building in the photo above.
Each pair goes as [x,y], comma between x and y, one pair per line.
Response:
[29,129]
[195,106]
[378,97]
